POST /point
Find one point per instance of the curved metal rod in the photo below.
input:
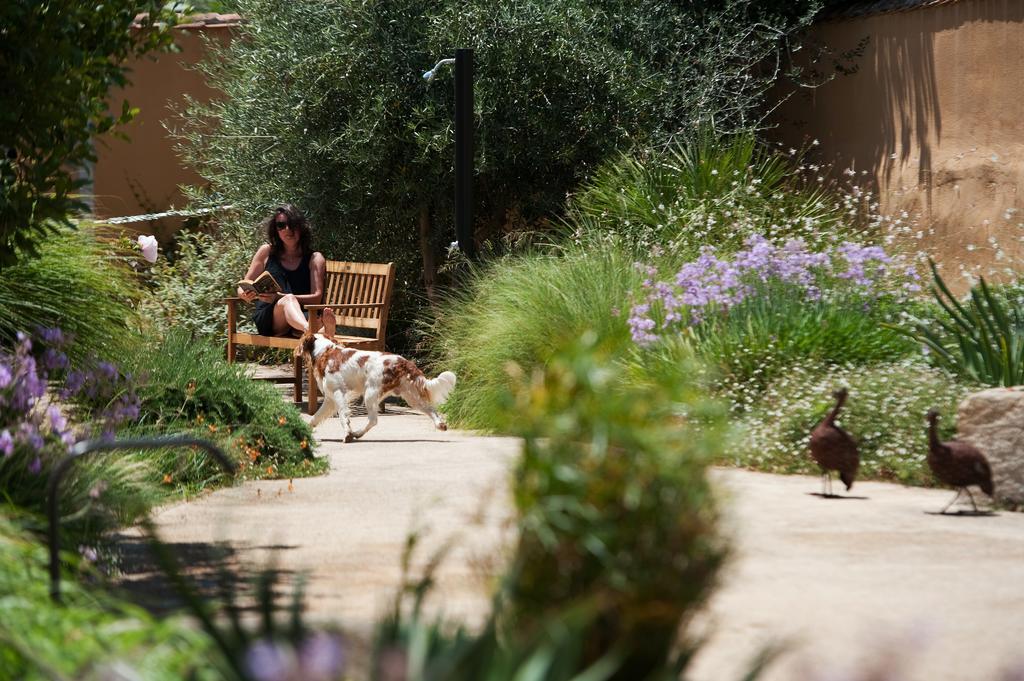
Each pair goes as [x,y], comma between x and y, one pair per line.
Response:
[84,447]
[429,75]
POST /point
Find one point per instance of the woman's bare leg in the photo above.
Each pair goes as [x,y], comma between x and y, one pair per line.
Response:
[288,315]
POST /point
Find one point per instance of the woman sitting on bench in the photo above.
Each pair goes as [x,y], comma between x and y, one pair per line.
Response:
[288,257]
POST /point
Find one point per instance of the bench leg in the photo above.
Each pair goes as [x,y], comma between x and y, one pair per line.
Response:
[313,392]
[297,378]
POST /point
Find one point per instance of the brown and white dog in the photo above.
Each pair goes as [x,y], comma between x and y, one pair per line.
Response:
[343,374]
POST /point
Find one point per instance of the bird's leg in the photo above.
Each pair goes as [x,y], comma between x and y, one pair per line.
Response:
[824,475]
[958,491]
[972,499]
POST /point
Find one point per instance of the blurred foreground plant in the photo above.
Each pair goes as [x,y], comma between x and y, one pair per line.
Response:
[614,507]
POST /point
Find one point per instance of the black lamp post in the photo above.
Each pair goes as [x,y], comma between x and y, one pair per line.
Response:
[463,146]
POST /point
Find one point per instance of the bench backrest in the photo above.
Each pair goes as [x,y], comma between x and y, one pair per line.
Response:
[364,290]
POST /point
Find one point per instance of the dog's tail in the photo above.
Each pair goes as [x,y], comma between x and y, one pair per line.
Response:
[438,388]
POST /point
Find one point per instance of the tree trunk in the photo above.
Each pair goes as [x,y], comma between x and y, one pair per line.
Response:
[428,255]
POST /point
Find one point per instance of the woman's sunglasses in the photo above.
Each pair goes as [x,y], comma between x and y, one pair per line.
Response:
[281,226]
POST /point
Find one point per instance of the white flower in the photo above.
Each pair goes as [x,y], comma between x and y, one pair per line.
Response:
[149,247]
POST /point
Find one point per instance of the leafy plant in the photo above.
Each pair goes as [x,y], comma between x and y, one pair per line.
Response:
[981,337]
[525,309]
[709,189]
[760,339]
[79,282]
[752,314]
[188,291]
[188,387]
[614,508]
[91,635]
[60,59]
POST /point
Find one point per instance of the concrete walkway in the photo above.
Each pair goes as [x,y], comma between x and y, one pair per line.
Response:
[843,582]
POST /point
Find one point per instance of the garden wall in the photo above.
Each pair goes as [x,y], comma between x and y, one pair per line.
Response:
[142,174]
[935,114]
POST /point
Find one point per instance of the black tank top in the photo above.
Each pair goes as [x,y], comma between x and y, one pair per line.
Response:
[292,281]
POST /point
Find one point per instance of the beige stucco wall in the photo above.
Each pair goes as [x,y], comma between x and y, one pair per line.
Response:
[143,174]
[936,115]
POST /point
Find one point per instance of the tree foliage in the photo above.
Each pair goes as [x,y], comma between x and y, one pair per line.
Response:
[58,60]
[326,104]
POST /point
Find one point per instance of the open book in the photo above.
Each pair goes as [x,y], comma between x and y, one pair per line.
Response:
[265,283]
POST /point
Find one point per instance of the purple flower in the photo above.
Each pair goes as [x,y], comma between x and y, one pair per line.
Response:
[28,433]
[266,660]
[715,285]
[54,359]
[57,420]
[5,376]
[321,657]
[35,466]
[88,553]
[6,443]
[51,336]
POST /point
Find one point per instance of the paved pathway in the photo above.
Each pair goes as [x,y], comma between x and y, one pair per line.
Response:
[841,581]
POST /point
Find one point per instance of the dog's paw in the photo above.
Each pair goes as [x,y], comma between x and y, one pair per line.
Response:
[442,426]
[350,438]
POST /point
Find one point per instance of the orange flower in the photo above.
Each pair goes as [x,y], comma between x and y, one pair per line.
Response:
[270,470]
[281,420]
[254,454]
[191,387]
[167,479]
[212,427]
[200,418]
[304,444]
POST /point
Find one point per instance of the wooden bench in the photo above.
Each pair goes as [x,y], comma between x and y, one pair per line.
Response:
[360,295]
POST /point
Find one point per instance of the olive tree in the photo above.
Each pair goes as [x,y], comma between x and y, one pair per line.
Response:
[325,102]
[325,105]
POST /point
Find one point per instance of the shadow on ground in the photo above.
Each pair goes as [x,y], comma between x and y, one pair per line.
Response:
[211,570]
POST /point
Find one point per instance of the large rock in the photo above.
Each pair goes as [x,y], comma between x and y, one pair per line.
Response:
[993,421]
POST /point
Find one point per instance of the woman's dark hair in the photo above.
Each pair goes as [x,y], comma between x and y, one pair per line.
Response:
[297,220]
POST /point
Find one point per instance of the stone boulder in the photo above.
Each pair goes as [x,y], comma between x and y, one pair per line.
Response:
[993,421]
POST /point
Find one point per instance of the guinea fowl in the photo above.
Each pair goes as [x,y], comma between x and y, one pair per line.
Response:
[957,464]
[834,449]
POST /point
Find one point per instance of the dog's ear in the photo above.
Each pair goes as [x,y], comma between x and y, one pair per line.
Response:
[307,343]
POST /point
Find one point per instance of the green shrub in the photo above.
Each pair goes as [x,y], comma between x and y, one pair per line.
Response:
[980,338]
[614,508]
[189,290]
[524,310]
[709,190]
[187,387]
[79,283]
[90,635]
[60,59]
[762,337]
[884,413]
